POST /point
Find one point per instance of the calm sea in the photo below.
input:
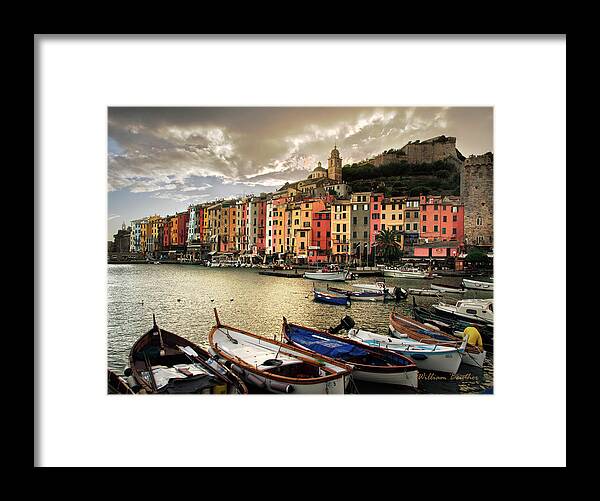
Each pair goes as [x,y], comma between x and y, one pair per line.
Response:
[183,297]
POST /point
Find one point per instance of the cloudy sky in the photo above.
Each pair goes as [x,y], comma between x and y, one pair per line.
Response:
[160,160]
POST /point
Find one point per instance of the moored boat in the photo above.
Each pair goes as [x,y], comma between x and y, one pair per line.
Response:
[478,284]
[275,366]
[162,362]
[406,328]
[390,291]
[368,363]
[432,357]
[448,288]
[477,310]
[331,276]
[405,272]
[372,295]
[331,298]
[424,292]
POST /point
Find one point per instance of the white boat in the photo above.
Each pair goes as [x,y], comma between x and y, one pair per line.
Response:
[431,357]
[413,331]
[477,284]
[406,272]
[390,292]
[448,288]
[424,292]
[274,366]
[327,274]
[477,310]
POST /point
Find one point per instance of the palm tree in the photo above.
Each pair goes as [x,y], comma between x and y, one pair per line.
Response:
[388,241]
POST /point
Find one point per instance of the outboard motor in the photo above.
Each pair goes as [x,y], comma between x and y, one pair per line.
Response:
[400,293]
[346,324]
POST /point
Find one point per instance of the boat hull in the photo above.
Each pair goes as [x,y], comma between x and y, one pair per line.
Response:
[452,313]
[478,285]
[404,274]
[424,357]
[330,277]
[330,299]
[408,378]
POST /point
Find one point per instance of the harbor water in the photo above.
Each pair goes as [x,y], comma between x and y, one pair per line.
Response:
[183,297]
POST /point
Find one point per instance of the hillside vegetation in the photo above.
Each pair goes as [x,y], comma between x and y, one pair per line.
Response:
[404,179]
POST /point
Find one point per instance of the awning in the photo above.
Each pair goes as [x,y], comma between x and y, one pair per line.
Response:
[212,253]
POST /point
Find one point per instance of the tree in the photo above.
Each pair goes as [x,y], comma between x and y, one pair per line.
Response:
[476,256]
[389,244]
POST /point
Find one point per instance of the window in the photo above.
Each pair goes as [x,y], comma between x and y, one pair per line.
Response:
[383,226]
[408,227]
[355,207]
[424,229]
[393,217]
[375,227]
[435,217]
[454,231]
[318,234]
[454,218]
[354,220]
[353,234]
[366,220]
[365,234]
[416,215]
[415,227]
[374,206]
[344,228]
[338,228]
[435,228]
[424,217]
[444,218]
[479,221]
[443,231]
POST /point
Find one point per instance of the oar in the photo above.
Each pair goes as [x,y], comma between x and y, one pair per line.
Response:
[149,367]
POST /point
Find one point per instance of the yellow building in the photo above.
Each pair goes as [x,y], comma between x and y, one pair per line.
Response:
[214,226]
[153,240]
[278,226]
[392,216]
[341,211]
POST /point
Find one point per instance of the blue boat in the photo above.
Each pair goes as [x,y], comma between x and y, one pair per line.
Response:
[374,295]
[326,297]
[372,364]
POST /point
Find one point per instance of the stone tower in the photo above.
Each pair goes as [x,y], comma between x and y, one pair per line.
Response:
[334,165]
[477,195]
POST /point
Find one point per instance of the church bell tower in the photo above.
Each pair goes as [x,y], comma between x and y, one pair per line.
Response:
[334,165]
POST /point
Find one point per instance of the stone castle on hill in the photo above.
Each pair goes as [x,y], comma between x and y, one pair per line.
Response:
[421,152]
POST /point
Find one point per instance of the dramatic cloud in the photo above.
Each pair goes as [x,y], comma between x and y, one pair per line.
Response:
[198,154]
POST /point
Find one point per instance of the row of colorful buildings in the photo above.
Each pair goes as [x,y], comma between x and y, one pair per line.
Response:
[303,228]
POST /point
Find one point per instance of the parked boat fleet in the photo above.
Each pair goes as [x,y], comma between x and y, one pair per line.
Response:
[309,360]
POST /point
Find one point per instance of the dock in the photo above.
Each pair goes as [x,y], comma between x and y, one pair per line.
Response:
[284,274]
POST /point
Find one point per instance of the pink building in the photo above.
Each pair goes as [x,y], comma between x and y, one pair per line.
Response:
[441,219]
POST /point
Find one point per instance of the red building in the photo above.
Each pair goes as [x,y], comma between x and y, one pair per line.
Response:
[168,224]
[183,219]
[318,251]
[441,219]
[261,236]
[375,216]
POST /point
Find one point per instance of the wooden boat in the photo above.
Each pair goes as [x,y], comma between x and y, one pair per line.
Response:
[431,357]
[329,298]
[424,292]
[406,328]
[477,310]
[368,364]
[118,384]
[162,362]
[275,366]
[373,295]
[448,288]
[478,284]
